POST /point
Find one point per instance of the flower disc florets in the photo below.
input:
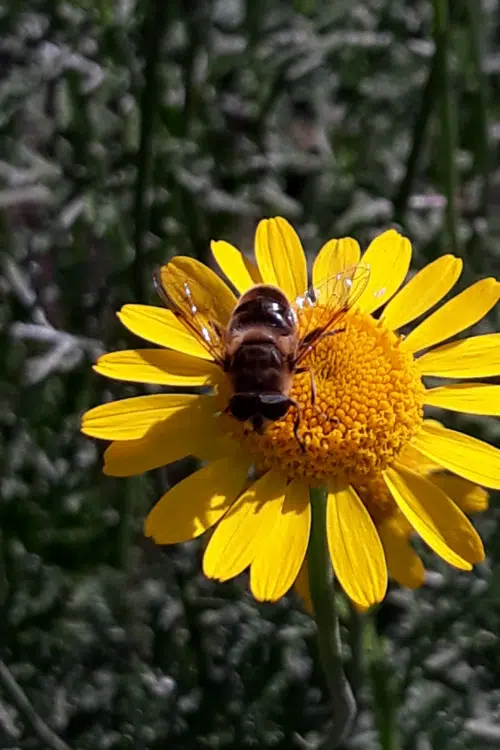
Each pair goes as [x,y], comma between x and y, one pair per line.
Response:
[368,405]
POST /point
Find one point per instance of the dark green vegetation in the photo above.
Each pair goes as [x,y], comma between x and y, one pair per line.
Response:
[132,131]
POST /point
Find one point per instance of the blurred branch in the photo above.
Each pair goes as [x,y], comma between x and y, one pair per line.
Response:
[447,118]
[484,731]
[23,291]
[19,699]
[65,350]
[154,29]
[419,130]
[45,332]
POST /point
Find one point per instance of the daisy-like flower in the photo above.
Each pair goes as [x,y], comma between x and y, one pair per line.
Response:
[389,472]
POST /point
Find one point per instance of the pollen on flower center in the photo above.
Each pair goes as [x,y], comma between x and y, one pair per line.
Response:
[368,405]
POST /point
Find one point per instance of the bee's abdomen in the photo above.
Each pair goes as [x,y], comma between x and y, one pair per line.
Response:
[256,367]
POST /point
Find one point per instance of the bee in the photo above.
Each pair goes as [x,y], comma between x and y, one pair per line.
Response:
[262,346]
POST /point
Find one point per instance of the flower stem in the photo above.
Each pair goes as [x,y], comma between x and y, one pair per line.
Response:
[417,142]
[325,613]
[447,118]
[482,149]
[154,31]
[384,691]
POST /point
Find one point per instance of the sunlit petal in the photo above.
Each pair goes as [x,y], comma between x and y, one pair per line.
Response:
[207,290]
[240,271]
[413,459]
[422,292]
[280,257]
[160,326]
[334,257]
[190,431]
[471,398]
[355,548]
[158,366]
[475,357]
[196,503]
[131,418]
[468,496]
[301,587]
[461,454]
[435,517]
[279,559]
[404,565]
[236,540]
[388,258]
[461,312]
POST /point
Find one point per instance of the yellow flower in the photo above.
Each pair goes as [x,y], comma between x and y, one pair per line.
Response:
[404,564]
[388,470]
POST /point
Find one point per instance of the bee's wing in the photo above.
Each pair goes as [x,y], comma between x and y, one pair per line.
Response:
[328,304]
[191,304]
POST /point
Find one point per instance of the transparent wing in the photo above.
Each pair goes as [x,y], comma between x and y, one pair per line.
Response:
[193,306]
[322,308]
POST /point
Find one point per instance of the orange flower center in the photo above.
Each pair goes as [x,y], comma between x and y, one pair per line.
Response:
[368,405]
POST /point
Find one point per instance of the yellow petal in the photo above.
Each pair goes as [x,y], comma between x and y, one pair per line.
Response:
[301,587]
[201,299]
[334,257]
[158,366]
[127,458]
[454,316]
[435,517]
[413,459]
[279,558]
[236,540]
[388,258]
[280,257]
[475,357]
[404,565]
[196,503]
[131,418]
[467,495]
[160,326]
[240,271]
[190,431]
[471,398]
[461,454]
[355,548]
[422,292]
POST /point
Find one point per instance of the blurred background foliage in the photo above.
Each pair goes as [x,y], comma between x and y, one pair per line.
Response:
[133,131]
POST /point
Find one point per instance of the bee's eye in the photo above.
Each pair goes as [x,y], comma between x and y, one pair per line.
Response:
[274,405]
[244,406]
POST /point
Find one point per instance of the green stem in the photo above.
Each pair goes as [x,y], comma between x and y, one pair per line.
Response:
[16,695]
[482,151]
[325,613]
[384,691]
[356,669]
[153,38]
[417,142]
[447,119]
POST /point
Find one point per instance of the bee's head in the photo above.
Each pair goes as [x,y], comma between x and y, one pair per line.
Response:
[258,407]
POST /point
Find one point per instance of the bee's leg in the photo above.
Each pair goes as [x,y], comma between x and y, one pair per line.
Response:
[299,371]
[331,333]
[313,391]
[216,328]
[257,423]
[296,424]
